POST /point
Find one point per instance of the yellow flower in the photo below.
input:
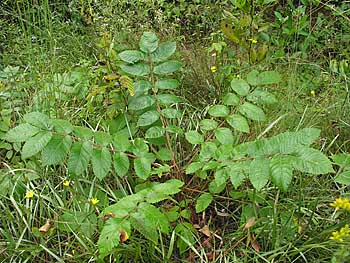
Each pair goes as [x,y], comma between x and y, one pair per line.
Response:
[344,232]
[213,69]
[66,183]
[341,203]
[312,93]
[94,201]
[29,194]
[254,41]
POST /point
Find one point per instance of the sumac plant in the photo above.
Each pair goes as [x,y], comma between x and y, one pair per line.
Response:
[143,141]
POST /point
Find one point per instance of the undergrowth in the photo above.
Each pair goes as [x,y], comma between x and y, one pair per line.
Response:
[228,143]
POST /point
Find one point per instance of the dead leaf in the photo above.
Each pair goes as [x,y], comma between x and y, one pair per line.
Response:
[206,243]
[223,214]
[108,216]
[255,245]
[45,228]
[249,223]
[123,236]
[205,230]
[210,256]
[196,226]
[191,257]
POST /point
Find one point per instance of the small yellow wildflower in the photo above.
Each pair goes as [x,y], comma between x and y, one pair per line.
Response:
[341,203]
[94,201]
[312,93]
[213,69]
[344,232]
[254,41]
[29,194]
[238,76]
[66,183]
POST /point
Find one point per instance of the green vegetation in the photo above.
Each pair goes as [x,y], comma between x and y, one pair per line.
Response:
[174,131]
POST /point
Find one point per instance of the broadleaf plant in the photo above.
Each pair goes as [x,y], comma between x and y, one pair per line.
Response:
[260,161]
[142,143]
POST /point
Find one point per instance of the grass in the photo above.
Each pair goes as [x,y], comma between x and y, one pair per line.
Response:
[290,227]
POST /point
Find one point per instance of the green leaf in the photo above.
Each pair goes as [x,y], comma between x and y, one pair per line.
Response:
[39,120]
[240,86]
[83,132]
[141,87]
[252,111]
[167,84]
[312,161]
[219,111]
[164,51]
[110,235]
[207,151]
[236,172]
[138,69]
[148,118]
[259,96]
[121,163]
[161,170]
[141,102]
[131,56]
[216,188]
[230,99]
[186,237]
[35,144]
[124,206]
[342,160]
[164,154]
[259,173]
[167,67]
[221,175]
[142,167]
[148,42]
[62,126]
[148,220]
[203,202]
[140,147]
[168,99]
[101,162]
[21,133]
[253,78]
[79,158]
[194,137]
[343,178]
[208,124]
[121,140]
[194,167]
[286,143]
[224,152]
[56,150]
[160,192]
[210,165]
[174,129]
[169,187]
[238,122]
[79,222]
[224,135]
[269,77]
[281,172]
[102,138]
[171,113]
[155,132]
